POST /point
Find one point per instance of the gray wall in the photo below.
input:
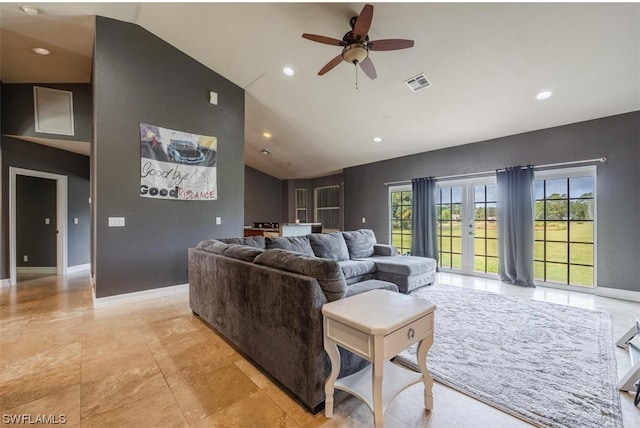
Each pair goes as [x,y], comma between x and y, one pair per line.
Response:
[35,201]
[262,197]
[140,78]
[617,138]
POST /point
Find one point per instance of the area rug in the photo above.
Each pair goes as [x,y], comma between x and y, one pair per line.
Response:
[548,364]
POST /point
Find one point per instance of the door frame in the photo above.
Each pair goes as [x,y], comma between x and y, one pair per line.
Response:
[61,221]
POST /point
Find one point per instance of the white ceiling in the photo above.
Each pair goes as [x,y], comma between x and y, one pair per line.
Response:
[486,63]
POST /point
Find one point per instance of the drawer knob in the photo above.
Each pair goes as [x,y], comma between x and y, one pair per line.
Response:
[411,333]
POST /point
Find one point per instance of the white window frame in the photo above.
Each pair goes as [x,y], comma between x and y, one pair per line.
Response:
[316,208]
[393,189]
[306,211]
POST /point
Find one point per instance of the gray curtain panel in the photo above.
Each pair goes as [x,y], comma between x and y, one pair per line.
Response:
[515,225]
[424,232]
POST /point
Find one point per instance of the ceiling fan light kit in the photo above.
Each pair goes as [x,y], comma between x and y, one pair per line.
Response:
[356,45]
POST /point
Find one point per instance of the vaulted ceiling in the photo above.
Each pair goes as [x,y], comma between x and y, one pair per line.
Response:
[486,63]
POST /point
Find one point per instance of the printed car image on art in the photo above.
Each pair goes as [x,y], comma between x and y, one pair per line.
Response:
[184,151]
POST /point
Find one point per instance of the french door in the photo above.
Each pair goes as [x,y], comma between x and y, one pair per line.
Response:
[467,226]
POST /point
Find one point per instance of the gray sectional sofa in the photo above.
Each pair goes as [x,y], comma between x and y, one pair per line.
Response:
[265,295]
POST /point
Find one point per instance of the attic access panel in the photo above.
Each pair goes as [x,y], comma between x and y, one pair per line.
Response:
[53,111]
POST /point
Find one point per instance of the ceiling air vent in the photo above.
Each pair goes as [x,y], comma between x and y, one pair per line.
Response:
[418,83]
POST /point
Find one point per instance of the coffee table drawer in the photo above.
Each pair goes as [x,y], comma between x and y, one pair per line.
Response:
[406,336]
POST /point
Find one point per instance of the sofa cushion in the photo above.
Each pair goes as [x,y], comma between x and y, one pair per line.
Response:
[242,252]
[254,241]
[325,271]
[213,246]
[329,246]
[373,284]
[403,265]
[299,244]
[360,243]
[356,268]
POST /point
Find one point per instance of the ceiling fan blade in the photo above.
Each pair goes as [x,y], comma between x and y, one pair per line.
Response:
[389,44]
[323,39]
[361,28]
[330,65]
[368,68]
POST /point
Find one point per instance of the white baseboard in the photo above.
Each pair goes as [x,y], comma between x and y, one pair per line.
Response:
[102,302]
[5,283]
[37,269]
[616,293]
[79,268]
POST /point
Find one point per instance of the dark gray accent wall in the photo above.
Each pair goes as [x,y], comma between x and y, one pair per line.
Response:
[262,197]
[22,154]
[35,201]
[19,119]
[617,138]
[140,78]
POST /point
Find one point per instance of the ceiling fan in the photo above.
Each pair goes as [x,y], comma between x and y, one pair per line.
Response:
[356,44]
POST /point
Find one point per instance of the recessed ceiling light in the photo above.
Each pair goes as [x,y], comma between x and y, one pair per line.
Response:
[266,135]
[41,51]
[377,139]
[543,95]
[288,71]
[29,10]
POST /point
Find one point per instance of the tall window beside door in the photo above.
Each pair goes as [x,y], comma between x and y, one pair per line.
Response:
[327,203]
[564,225]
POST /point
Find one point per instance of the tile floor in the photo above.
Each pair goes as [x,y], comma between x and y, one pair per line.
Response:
[154,364]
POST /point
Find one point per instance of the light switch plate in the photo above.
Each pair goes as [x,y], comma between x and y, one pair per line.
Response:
[75,220]
[116,221]
[47,220]
[218,220]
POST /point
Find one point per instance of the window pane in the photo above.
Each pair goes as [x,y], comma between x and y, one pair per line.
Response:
[327,197]
[445,260]
[301,215]
[456,211]
[480,229]
[445,196]
[538,231]
[492,211]
[581,275]
[538,250]
[538,271]
[456,261]
[539,210]
[492,229]
[456,228]
[557,252]
[581,254]
[445,245]
[478,245]
[581,209]
[456,195]
[479,193]
[301,198]
[557,273]
[557,189]
[581,231]
[456,245]
[492,265]
[479,212]
[492,192]
[407,198]
[328,218]
[479,263]
[557,230]
[581,187]
[557,210]
[538,190]
[492,247]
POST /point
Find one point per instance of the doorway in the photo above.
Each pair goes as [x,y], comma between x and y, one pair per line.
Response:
[467,226]
[60,220]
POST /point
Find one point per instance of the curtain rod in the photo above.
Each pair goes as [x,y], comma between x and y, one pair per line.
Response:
[484,173]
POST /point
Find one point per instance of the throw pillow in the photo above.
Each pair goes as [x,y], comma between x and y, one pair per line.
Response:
[326,272]
[242,252]
[299,244]
[329,246]
[360,243]
[213,246]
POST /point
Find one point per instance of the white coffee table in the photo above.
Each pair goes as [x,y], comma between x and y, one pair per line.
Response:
[377,325]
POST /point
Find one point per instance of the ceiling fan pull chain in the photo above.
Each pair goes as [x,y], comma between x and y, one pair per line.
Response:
[356,65]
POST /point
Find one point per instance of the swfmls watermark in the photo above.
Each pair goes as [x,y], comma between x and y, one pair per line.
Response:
[29,419]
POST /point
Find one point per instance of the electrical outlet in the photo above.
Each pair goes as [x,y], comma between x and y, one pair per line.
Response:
[25,258]
[116,221]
